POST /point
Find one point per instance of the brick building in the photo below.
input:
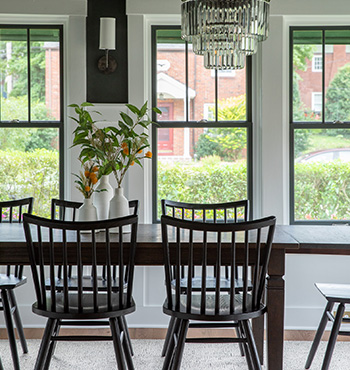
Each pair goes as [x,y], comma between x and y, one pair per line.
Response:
[178,143]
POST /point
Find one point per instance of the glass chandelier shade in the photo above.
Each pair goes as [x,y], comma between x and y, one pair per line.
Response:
[225,31]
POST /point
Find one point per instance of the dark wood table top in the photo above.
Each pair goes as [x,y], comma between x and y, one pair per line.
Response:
[325,239]
[13,248]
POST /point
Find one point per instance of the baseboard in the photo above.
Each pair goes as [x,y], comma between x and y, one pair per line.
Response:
[159,333]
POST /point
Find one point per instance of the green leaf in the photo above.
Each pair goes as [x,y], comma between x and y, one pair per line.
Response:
[138,162]
[133,109]
[87,104]
[127,119]
[143,110]
[124,127]
[157,110]
[143,124]
[73,105]
[83,142]
[114,129]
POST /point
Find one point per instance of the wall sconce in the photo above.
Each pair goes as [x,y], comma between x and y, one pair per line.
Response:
[107,64]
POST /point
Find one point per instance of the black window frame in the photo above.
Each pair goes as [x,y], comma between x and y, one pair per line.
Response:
[307,124]
[43,124]
[248,124]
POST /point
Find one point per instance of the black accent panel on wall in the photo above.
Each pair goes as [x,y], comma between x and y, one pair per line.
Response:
[106,88]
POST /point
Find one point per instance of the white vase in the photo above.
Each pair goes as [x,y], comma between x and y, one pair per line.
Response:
[87,212]
[119,207]
[101,199]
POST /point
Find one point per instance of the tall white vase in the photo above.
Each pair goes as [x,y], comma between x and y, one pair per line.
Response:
[87,212]
[101,199]
[119,207]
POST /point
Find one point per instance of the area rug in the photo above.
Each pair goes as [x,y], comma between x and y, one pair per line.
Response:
[100,356]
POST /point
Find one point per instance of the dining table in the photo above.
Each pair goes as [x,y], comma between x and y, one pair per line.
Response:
[303,239]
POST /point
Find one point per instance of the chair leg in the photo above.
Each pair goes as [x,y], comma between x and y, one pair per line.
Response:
[319,333]
[118,349]
[172,345]
[18,321]
[53,344]
[333,337]
[239,335]
[245,347]
[127,347]
[180,345]
[10,330]
[168,335]
[251,344]
[127,335]
[45,343]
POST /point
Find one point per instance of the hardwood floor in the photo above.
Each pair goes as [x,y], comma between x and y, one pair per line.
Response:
[159,333]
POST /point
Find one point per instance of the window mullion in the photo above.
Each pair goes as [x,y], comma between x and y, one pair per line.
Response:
[187,104]
[216,96]
[28,69]
[323,77]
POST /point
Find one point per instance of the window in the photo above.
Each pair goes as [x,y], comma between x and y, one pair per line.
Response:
[317,63]
[209,109]
[224,73]
[202,142]
[320,125]
[317,102]
[31,121]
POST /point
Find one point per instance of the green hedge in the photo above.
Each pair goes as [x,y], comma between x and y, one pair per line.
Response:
[35,174]
[322,190]
[208,183]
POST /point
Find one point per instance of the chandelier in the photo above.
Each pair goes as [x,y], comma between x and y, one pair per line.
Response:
[224,31]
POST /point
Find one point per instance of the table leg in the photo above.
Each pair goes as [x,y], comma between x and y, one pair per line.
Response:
[275,310]
[258,332]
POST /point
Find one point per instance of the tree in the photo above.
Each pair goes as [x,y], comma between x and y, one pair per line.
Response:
[228,143]
[338,96]
[17,67]
[301,53]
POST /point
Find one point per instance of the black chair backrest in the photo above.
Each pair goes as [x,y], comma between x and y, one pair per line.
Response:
[12,211]
[253,238]
[237,211]
[216,212]
[60,209]
[65,210]
[55,242]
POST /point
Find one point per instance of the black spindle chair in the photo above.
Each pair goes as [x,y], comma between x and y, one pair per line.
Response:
[334,294]
[229,212]
[12,211]
[55,243]
[66,210]
[246,244]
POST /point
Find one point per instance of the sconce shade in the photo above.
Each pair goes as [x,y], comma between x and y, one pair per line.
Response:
[107,33]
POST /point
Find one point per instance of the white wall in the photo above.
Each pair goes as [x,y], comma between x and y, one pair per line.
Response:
[303,304]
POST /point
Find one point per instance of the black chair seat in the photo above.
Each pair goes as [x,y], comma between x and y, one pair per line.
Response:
[11,282]
[88,284]
[210,283]
[335,292]
[210,315]
[88,311]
